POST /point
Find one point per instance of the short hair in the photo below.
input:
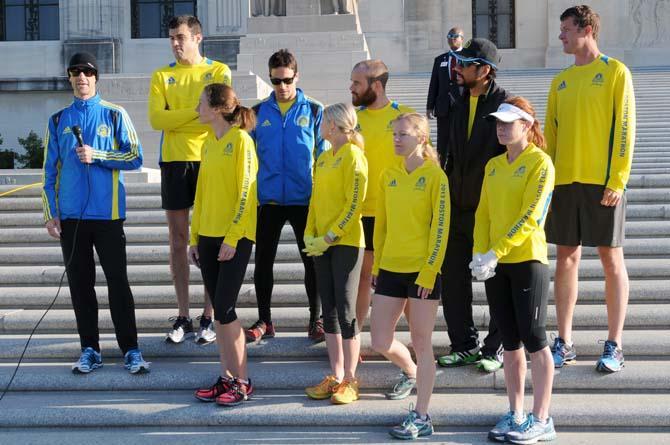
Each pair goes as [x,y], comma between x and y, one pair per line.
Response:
[190,20]
[283,59]
[583,16]
[456,30]
[375,70]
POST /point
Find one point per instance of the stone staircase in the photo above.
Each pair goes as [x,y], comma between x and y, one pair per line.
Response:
[46,397]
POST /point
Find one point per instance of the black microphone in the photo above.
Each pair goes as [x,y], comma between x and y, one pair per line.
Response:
[77,133]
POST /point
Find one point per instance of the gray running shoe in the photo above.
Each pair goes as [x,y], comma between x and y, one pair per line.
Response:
[506,424]
[206,333]
[413,426]
[403,388]
[532,431]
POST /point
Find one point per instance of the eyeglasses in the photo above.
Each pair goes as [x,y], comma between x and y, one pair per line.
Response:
[278,81]
[75,72]
[454,36]
[466,63]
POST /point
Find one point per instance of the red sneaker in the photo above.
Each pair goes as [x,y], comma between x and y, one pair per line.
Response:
[237,393]
[315,331]
[210,394]
[259,330]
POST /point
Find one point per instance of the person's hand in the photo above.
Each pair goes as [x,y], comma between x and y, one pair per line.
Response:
[483,265]
[194,256]
[85,154]
[374,281]
[226,252]
[610,198]
[423,292]
[53,227]
[317,247]
[429,114]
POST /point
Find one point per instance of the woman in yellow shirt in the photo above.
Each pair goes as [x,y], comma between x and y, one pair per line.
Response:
[510,254]
[334,237]
[410,240]
[223,228]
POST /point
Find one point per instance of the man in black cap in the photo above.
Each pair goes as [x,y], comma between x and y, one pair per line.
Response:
[442,85]
[86,146]
[471,142]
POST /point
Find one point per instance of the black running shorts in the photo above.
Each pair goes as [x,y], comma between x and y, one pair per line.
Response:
[401,285]
[178,182]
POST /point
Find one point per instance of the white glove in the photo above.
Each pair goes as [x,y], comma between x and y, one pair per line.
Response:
[483,266]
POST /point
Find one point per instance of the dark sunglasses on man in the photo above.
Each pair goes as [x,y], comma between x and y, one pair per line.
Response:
[454,36]
[466,63]
[75,72]
[278,81]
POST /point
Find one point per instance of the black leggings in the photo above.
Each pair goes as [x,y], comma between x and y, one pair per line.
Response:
[517,296]
[223,279]
[271,219]
[338,271]
[109,241]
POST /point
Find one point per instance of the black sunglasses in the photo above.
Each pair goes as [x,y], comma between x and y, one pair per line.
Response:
[278,81]
[467,63]
[75,72]
[454,36]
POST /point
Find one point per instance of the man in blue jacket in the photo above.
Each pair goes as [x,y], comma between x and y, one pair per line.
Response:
[287,143]
[86,146]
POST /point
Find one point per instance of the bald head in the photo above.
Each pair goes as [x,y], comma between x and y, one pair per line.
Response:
[374,70]
[455,38]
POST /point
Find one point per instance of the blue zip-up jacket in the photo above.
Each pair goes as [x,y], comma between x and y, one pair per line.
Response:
[286,148]
[66,190]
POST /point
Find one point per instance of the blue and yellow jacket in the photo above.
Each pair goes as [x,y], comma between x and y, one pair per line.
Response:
[287,147]
[66,190]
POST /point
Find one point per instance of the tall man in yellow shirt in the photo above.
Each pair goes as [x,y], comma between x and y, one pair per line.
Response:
[590,132]
[173,97]
[375,114]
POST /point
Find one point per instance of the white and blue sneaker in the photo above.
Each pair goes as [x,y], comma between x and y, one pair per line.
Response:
[134,362]
[413,426]
[507,423]
[612,358]
[563,353]
[532,431]
[89,360]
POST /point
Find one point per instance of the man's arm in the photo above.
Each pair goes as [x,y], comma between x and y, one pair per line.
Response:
[52,165]
[433,88]
[161,117]
[129,154]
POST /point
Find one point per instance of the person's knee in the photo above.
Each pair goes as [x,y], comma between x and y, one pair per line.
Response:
[349,328]
[381,342]
[421,343]
[330,325]
[612,260]
[535,341]
[568,256]
[226,317]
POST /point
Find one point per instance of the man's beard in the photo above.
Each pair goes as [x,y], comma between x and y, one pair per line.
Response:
[366,99]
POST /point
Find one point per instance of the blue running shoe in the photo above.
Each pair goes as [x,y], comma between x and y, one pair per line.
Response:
[532,431]
[413,426]
[506,424]
[134,362]
[562,353]
[612,358]
[89,360]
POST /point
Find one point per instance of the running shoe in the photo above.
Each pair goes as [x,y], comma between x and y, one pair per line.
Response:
[89,360]
[403,388]
[490,363]
[413,426]
[562,353]
[238,392]
[532,431]
[612,358]
[460,358]
[323,390]
[134,362]
[206,333]
[506,424]
[259,330]
[181,330]
[210,394]
[315,331]
[345,392]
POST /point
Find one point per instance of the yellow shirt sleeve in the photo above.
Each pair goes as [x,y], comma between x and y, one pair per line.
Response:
[624,130]
[380,225]
[538,191]
[160,117]
[246,178]
[355,185]
[439,233]
[551,123]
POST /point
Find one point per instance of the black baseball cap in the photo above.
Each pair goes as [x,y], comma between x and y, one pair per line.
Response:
[84,60]
[480,50]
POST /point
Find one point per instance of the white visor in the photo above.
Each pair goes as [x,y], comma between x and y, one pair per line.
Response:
[509,113]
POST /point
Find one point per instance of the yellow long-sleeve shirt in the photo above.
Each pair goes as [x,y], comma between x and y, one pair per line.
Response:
[173,96]
[377,131]
[225,198]
[512,208]
[340,182]
[412,222]
[590,124]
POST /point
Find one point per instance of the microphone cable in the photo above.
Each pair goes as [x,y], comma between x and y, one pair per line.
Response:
[60,284]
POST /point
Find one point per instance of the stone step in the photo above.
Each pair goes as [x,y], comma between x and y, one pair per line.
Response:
[159,234]
[189,374]
[638,268]
[162,295]
[638,345]
[292,408]
[290,319]
[286,252]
